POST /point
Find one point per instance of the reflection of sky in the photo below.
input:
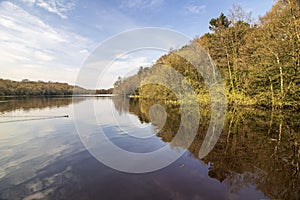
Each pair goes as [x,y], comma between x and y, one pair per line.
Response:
[45,158]
[30,146]
[123,129]
[127,123]
[40,142]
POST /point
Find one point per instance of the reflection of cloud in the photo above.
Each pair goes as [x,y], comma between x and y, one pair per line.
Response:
[26,150]
[141,3]
[39,195]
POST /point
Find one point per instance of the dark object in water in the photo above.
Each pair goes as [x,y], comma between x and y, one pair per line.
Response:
[31,118]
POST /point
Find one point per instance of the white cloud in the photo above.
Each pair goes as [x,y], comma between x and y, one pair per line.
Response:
[32,49]
[44,57]
[84,51]
[30,2]
[141,3]
[126,65]
[195,9]
[58,7]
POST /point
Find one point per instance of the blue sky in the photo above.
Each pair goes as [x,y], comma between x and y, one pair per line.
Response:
[50,40]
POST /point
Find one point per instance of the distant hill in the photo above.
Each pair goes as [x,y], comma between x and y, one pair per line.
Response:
[41,88]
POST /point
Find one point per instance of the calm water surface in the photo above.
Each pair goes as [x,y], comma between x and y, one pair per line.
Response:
[42,157]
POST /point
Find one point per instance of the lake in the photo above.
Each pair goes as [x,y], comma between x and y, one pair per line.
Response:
[48,145]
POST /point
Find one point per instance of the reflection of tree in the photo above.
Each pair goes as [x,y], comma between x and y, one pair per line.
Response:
[27,103]
[244,153]
[123,104]
[247,151]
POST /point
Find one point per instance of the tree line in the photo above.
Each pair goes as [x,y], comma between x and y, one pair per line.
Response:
[41,88]
[259,62]
[27,87]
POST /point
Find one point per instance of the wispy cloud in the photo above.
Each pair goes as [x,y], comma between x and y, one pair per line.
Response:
[29,2]
[141,3]
[31,48]
[194,8]
[58,7]
[127,65]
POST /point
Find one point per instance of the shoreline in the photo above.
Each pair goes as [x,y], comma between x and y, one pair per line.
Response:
[228,104]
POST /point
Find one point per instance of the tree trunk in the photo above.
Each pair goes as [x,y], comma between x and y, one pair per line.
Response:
[228,66]
[272,93]
[230,73]
[281,77]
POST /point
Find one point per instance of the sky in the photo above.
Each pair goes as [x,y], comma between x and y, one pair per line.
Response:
[50,40]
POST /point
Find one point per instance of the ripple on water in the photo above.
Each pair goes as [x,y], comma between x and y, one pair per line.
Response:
[2,173]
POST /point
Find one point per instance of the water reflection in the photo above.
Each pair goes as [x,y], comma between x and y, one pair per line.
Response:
[8,104]
[256,157]
[257,147]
